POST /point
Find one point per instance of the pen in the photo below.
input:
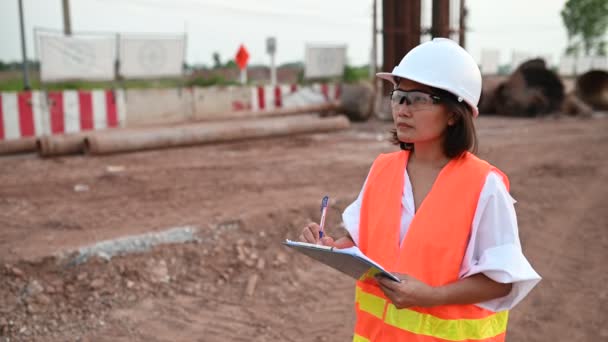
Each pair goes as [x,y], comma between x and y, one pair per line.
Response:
[324,203]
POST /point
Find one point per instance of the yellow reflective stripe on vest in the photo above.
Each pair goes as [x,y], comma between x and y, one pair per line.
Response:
[359,338]
[425,324]
[369,303]
[447,329]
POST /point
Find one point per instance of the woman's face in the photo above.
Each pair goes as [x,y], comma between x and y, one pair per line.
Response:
[418,116]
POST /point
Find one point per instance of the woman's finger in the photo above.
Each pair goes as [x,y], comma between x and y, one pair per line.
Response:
[308,235]
[328,241]
[315,229]
[388,283]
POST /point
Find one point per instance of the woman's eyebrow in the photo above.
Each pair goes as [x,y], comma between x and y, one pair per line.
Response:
[416,89]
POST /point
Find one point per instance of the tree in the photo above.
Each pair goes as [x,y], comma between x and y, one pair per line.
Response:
[217,62]
[230,64]
[587,23]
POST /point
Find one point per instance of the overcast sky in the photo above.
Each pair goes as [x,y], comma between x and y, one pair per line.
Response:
[534,27]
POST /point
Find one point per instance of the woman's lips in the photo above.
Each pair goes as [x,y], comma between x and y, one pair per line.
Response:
[403,125]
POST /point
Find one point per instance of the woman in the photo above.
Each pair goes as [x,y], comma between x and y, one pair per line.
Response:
[435,214]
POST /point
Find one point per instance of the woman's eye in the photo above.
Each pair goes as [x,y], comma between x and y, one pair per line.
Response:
[419,99]
[400,99]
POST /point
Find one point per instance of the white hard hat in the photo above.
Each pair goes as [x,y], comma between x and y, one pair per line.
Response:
[443,64]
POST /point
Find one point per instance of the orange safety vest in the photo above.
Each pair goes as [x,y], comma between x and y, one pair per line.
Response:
[432,252]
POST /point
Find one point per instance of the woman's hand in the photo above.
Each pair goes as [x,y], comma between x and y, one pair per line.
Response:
[409,292]
[412,292]
[310,234]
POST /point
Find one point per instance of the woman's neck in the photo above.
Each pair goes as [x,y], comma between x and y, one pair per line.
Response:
[429,155]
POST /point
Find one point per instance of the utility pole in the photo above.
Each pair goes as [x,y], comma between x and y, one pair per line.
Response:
[67,25]
[398,36]
[441,19]
[374,59]
[26,77]
[463,29]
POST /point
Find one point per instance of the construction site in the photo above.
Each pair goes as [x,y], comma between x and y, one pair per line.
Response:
[166,221]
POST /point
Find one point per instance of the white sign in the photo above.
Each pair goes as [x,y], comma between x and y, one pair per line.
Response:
[271,45]
[71,57]
[548,58]
[324,61]
[584,64]
[599,63]
[517,58]
[142,57]
[566,66]
[489,61]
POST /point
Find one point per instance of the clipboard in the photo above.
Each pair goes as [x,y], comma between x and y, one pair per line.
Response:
[350,261]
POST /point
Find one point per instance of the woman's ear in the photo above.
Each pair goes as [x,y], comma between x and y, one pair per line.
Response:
[452,119]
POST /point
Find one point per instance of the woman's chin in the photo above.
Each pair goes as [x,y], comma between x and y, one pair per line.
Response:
[405,138]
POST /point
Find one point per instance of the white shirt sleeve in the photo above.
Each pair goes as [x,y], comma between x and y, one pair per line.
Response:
[494,248]
[351,216]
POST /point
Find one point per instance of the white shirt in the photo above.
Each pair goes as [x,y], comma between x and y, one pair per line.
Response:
[494,248]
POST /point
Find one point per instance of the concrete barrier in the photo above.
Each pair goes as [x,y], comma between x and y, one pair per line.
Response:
[38,113]
[152,106]
[211,102]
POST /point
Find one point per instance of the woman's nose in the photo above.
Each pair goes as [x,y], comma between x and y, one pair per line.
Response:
[402,110]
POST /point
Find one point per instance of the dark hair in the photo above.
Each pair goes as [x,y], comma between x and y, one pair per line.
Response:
[459,137]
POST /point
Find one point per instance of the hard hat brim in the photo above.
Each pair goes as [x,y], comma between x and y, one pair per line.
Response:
[387,76]
[391,77]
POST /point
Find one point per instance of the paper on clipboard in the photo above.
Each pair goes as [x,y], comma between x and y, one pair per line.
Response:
[350,261]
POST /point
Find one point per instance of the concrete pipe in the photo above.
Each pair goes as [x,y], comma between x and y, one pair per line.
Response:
[592,88]
[153,138]
[574,106]
[487,100]
[57,145]
[15,146]
[357,101]
[530,91]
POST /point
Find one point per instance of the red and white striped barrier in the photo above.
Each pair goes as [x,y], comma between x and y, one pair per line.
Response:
[271,97]
[289,95]
[37,113]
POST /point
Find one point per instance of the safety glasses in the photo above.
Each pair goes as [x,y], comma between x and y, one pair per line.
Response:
[414,99]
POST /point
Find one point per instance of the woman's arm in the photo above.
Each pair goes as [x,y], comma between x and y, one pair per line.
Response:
[474,289]
[471,290]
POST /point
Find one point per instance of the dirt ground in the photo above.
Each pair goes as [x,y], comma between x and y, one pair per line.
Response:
[238,283]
